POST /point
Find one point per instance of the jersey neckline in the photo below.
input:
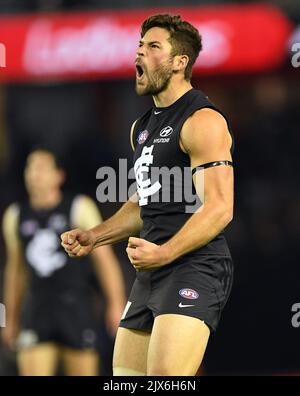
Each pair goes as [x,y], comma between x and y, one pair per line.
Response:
[162,109]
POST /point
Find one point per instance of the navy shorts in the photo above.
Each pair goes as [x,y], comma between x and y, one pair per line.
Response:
[198,287]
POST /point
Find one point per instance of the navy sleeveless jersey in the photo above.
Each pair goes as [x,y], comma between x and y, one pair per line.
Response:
[167,197]
[51,270]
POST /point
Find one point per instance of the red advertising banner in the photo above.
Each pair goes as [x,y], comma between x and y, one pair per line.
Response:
[84,45]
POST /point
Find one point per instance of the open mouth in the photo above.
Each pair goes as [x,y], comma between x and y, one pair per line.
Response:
[139,71]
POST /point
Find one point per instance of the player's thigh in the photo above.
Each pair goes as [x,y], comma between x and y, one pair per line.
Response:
[41,359]
[177,345]
[78,362]
[130,351]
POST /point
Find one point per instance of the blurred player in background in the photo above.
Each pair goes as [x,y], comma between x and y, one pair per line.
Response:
[49,298]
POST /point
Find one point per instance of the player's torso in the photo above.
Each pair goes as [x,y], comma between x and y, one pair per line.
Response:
[49,266]
[164,179]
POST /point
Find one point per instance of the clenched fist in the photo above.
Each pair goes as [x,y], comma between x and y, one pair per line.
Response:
[78,243]
[145,255]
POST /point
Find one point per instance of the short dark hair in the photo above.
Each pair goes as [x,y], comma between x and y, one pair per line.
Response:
[184,37]
[58,162]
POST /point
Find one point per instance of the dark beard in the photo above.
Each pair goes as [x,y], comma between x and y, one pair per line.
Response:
[159,81]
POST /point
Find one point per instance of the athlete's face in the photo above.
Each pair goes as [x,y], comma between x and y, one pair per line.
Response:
[42,174]
[154,62]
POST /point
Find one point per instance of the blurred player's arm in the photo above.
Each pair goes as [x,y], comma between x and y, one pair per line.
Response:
[15,279]
[108,271]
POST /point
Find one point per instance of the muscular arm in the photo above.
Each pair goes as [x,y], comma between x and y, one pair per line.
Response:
[14,274]
[124,223]
[205,138]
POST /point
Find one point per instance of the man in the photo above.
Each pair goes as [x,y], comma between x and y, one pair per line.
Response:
[49,297]
[184,267]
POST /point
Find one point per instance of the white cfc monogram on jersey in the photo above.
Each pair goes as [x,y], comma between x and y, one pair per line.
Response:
[42,253]
[141,170]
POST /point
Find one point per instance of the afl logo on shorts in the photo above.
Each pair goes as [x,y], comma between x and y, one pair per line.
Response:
[142,137]
[166,131]
[189,294]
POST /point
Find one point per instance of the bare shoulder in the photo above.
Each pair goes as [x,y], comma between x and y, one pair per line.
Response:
[205,126]
[206,117]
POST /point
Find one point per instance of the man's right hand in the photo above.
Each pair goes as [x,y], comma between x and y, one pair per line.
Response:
[78,243]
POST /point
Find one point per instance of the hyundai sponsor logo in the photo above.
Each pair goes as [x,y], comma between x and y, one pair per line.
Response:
[166,131]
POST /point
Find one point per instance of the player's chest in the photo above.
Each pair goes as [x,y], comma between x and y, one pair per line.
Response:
[156,144]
